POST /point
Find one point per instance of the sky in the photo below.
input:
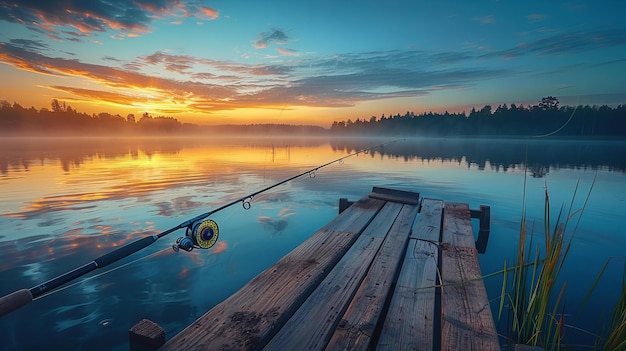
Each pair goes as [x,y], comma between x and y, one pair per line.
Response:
[308,62]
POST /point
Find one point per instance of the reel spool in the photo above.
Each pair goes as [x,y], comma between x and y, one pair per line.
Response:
[199,235]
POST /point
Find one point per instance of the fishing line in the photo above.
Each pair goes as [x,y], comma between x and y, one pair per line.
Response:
[562,126]
[201,233]
[559,129]
[84,280]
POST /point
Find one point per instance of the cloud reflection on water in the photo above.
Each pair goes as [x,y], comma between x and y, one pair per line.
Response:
[105,199]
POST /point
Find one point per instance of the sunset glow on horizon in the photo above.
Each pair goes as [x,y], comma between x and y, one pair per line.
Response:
[221,62]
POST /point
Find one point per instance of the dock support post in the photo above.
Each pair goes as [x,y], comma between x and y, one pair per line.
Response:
[146,336]
[343,204]
[484,218]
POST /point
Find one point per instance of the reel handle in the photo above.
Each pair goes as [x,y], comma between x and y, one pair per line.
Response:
[14,300]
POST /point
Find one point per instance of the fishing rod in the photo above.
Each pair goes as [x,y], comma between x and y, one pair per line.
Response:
[201,233]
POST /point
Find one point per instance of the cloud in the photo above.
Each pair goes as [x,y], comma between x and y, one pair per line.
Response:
[566,43]
[287,52]
[485,19]
[110,58]
[131,18]
[535,17]
[175,63]
[613,99]
[91,94]
[196,84]
[108,76]
[276,36]
[33,45]
[209,86]
[209,12]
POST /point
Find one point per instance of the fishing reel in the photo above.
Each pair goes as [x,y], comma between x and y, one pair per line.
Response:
[199,235]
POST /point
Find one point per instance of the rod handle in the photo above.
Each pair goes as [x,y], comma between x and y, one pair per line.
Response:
[14,300]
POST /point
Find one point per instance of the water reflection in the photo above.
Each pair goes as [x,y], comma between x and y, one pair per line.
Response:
[21,154]
[276,224]
[66,202]
[540,155]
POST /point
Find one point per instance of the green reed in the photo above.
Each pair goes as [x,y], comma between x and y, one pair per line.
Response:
[533,299]
[614,336]
[616,339]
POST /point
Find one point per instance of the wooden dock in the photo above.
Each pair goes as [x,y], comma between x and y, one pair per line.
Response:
[391,272]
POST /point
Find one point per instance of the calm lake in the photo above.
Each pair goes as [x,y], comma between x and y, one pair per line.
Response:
[64,203]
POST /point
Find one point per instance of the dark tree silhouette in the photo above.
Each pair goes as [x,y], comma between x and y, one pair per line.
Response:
[544,119]
[549,103]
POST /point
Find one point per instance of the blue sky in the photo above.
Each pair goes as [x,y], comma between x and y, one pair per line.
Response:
[314,62]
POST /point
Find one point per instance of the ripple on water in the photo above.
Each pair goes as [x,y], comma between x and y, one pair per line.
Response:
[105,322]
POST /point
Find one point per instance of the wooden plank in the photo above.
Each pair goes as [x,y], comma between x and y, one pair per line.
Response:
[409,321]
[391,198]
[355,218]
[466,320]
[395,192]
[356,329]
[249,318]
[311,326]
[401,196]
[428,224]
[457,225]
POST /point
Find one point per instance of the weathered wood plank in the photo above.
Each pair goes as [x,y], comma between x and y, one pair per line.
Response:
[428,224]
[457,225]
[356,217]
[401,196]
[466,320]
[356,329]
[249,318]
[409,321]
[311,326]
[395,192]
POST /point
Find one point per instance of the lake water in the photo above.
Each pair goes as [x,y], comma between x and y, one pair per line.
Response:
[64,203]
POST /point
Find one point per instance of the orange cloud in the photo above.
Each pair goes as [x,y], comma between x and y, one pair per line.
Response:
[287,52]
[209,12]
[127,18]
[219,247]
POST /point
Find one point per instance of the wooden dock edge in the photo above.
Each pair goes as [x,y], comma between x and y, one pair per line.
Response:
[466,319]
[246,322]
[460,314]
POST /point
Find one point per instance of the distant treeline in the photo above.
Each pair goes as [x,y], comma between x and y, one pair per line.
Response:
[544,119]
[62,119]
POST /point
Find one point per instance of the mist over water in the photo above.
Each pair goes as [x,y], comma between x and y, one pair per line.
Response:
[64,202]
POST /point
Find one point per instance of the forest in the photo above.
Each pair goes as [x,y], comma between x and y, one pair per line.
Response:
[545,119]
[63,120]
